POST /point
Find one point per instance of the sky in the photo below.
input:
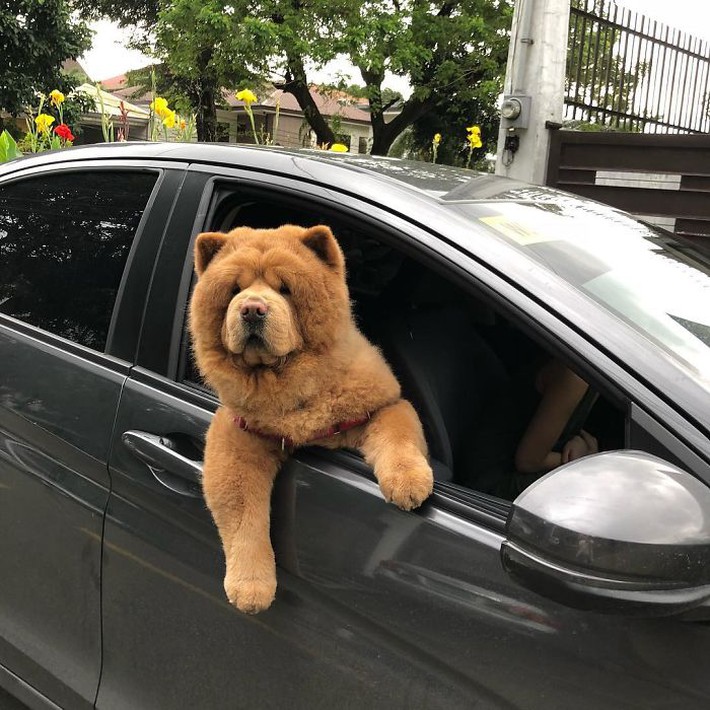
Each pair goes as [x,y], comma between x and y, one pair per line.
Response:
[109,57]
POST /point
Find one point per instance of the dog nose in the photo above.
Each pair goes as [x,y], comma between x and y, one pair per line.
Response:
[253,311]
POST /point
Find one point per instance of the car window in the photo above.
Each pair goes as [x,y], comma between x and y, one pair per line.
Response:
[467,369]
[64,241]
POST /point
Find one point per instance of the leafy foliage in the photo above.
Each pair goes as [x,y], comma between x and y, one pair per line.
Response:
[8,147]
[449,50]
[36,37]
[200,53]
[451,122]
[127,13]
[446,50]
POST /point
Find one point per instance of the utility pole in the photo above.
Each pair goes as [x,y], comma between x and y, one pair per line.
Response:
[533,101]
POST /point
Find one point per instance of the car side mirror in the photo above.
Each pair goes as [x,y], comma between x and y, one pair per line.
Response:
[620,532]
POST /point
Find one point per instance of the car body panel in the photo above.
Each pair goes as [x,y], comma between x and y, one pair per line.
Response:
[56,420]
[376,607]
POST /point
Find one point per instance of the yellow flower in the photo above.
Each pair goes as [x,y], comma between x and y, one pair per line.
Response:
[160,107]
[437,138]
[247,96]
[183,124]
[56,97]
[339,148]
[474,137]
[43,122]
[169,118]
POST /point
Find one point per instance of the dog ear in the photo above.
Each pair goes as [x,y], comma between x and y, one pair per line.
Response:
[320,240]
[207,245]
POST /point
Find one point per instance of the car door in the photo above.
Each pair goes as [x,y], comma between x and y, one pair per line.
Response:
[376,607]
[66,234]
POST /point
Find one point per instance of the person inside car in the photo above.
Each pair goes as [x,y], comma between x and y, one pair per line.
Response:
[533,427]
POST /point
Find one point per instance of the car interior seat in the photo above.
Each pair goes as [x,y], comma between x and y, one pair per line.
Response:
[426,330]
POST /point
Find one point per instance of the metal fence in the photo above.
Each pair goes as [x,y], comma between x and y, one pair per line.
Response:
[627,71]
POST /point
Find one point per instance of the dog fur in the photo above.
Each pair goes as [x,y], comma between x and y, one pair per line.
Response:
[274,336]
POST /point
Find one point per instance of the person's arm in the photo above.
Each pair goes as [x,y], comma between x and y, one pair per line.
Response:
[562,390]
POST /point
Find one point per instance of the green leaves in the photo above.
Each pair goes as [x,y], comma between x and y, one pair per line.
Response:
[8,147]
[446,49]
[36,37]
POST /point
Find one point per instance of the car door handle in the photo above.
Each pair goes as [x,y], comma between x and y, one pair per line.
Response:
[170,468]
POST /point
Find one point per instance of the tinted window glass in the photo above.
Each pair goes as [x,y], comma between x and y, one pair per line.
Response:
[656,284]
[64,241]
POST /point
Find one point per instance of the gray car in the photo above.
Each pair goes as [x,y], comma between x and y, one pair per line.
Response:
[589,590]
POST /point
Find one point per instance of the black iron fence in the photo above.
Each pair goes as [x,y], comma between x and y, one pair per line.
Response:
[627,71]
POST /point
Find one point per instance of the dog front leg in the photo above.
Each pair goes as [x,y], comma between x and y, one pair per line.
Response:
[238,476]
[393,444]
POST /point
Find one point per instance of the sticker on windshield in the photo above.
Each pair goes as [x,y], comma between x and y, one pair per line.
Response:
[518,232]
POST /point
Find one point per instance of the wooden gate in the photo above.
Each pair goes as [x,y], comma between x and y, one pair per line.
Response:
[664,179]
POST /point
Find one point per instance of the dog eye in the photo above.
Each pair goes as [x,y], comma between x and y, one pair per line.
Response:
[284,290]
[236,291]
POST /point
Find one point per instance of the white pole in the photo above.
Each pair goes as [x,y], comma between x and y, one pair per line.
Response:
[536,69]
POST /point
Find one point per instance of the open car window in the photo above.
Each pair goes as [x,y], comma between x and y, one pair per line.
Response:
[458,359]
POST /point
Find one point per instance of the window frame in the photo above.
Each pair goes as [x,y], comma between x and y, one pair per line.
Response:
[600,368]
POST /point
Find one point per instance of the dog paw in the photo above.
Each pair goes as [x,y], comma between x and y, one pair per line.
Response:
[250,595]
[409,486]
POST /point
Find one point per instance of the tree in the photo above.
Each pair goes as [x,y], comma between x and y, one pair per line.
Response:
[197,49]
[36,37]
[450,122]
[447,49]
[137,15]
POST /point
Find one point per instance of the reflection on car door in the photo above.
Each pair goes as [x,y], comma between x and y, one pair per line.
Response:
[65,237]
[347,559]
[376,607]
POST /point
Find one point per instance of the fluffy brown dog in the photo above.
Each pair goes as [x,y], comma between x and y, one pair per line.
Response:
[273,335]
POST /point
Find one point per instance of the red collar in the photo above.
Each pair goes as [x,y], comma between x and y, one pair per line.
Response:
[286,442]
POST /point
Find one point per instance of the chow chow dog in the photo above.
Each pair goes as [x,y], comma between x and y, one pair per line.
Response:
[274,336]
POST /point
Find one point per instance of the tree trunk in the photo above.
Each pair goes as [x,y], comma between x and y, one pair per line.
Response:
[297,85]
[206,90]
[206,118]
[384,134]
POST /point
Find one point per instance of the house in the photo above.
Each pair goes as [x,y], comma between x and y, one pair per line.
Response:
[128,119]
[130,122]
[346,114]
[350,123]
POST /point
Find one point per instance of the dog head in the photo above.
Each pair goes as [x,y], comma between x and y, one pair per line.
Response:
[263,296]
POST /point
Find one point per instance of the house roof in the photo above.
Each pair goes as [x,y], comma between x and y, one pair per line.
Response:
[73,66]
[119,86]
[114,82]
[111,103]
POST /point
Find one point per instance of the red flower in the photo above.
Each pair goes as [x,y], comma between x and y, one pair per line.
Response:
[64,132]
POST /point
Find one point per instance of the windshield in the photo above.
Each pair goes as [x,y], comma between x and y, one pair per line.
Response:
[654,282]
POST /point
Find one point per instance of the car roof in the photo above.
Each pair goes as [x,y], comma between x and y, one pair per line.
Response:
[442,182]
